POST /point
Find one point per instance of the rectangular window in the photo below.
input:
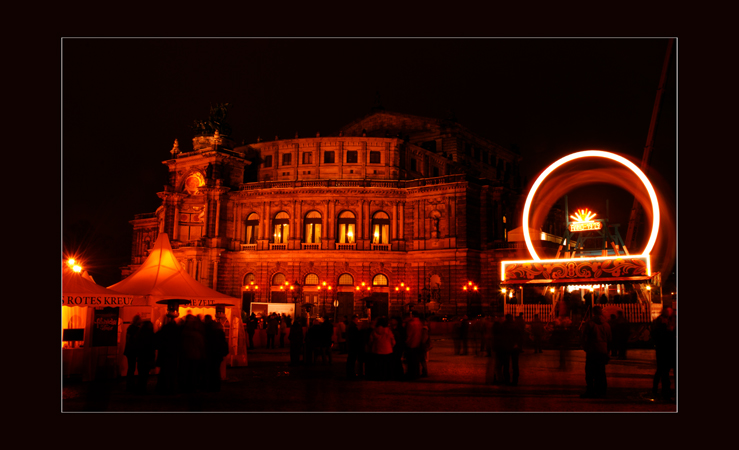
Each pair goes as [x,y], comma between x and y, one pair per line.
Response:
[287,159]
[436,171]
[328,157]
[268,161]
[374,157]
[351,157]
[346,233]
[413,165]
[306,158]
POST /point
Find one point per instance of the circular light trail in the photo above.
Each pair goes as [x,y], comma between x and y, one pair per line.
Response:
[596,154]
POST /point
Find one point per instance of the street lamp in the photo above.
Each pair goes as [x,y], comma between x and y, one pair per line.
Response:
[365,288]
[402,290]
[469,288]
[254,288]
[326,289]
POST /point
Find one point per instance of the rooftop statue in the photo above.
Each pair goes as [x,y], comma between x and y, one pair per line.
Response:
[216,121]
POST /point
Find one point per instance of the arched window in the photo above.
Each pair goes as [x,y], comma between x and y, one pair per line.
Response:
[311,279]
[380,228]
[346,280]
[281,224]
[347,227]
[278,279]
[252,228]
[379,280]
[248,278]
[313,227]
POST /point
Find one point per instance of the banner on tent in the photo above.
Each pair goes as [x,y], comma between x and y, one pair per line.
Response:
[204,303]
[96,300]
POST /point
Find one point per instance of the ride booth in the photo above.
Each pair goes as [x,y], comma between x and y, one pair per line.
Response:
[592,266]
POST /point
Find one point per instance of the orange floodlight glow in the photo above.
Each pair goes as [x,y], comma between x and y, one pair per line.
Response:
[587,154]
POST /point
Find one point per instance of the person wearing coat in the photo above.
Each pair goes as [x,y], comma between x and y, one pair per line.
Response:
[382,342]
[130,352]
[146,354]
[296,342]
[596,340]
[216,348]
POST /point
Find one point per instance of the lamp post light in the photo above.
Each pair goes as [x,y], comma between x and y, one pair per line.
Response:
[469,288]
[364,287]
[326,289]
[401,291]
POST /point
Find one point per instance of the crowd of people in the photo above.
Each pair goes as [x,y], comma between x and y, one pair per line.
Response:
[387,348]
[188,353]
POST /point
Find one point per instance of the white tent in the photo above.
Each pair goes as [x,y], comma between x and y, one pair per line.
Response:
[161,277]
[81,298]
[78,289]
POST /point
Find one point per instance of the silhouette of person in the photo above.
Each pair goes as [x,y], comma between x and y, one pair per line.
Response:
[464,332]
[216,348]
[396,364]
[596,338]
[354,347]
[251,327]
[130,352]
[425,347]
[537,333]
[521,324]
[382,342]
[273,327]
[146,354]
[168,354]
[622,335]
[193,354]
[613,351]
[283,329]
[296,342]
[413,349]
[664,336]
[325,340]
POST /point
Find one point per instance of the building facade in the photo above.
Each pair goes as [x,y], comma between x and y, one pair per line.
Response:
[394,212]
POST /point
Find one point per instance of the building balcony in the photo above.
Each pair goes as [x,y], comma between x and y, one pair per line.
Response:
[310,246]
[278,246]
[352,246]
[381,247]
[248,247]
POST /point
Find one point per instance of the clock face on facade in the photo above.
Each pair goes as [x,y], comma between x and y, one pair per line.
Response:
[193,183]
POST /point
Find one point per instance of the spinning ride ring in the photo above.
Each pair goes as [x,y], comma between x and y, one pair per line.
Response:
[597,154]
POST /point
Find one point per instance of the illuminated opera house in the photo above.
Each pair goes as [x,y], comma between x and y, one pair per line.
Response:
[391,213]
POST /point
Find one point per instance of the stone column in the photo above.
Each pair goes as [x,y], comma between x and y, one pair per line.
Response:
[176,230]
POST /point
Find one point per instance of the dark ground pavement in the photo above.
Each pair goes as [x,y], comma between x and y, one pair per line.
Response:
[455,384]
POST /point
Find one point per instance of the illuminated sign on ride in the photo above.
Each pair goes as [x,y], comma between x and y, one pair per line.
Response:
[583,221]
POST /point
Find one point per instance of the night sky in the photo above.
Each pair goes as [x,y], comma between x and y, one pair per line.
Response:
[125,101]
